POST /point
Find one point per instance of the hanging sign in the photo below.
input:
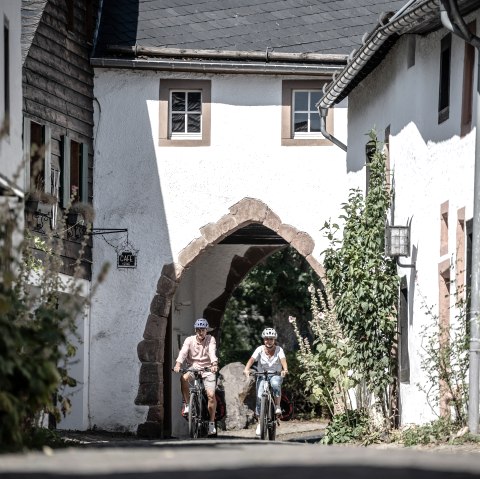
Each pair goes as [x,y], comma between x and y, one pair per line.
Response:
[126,259]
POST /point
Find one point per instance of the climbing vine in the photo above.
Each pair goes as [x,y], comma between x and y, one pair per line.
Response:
[364,283]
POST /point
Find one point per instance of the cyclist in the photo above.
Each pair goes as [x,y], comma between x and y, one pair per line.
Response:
[270,357]
[200,351]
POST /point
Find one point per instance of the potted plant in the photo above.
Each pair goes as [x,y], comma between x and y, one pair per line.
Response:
[79,213]
[37,201]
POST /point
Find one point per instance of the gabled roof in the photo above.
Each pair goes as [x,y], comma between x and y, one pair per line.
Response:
[330,28]
[416,17]
[32,11]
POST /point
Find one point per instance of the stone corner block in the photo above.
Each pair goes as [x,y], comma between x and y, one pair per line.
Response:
[190,252]
[172,271]
[287,232]
[156,327]
[215,232]
[303,243]
[160,305]
[249,210]
[317,267]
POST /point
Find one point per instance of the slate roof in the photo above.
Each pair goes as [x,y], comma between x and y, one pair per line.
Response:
[292,26]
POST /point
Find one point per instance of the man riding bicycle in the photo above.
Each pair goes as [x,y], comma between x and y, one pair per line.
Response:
[270,358]
[200,351]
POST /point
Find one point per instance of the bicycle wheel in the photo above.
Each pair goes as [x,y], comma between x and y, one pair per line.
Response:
[272,421]
[194,418]
[263,418]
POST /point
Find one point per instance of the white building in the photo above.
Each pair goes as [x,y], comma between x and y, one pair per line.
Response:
[414,82]
[203,142]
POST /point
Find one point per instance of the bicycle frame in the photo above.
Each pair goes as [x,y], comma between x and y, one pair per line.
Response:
[198,415]
[267,418]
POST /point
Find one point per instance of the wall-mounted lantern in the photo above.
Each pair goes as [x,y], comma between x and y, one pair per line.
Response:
[397,242]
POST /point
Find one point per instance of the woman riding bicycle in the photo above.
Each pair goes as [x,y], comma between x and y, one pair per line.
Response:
[270,357]
[200,351]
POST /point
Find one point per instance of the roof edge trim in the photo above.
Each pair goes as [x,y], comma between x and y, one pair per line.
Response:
[324,71]
[333,91]
[266,56]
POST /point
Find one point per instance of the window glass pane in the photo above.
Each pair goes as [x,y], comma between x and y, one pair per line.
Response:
[37,157]
[193,123]
[301,122]
[178,123]
[75,170]
[194,101]
[301,101]
[178,101]
[314,98]
[314,122]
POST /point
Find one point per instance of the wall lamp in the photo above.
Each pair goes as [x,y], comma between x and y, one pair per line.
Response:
[397,242]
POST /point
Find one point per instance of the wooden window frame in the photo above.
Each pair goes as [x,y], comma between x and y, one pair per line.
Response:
[288,137]
[444,78]
[65,193]
[47,145]
[166,87]
[467,89]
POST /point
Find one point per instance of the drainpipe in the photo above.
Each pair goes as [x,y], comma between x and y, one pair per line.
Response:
[323,129]
[453,21]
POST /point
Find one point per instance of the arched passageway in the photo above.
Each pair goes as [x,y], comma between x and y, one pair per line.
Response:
[152,349]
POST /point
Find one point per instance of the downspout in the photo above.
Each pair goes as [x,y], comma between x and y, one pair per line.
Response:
[358,59]
[323,112]
[453,21]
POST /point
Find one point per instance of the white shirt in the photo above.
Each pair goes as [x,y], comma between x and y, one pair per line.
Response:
[267,363]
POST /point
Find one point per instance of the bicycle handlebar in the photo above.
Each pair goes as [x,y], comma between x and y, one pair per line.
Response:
[265,373]
[192,370]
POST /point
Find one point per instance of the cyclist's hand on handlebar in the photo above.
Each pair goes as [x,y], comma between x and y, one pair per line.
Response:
[283,373]
[177,368]
[246,372]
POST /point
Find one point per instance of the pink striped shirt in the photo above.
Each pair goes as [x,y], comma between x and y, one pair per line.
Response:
[198,355]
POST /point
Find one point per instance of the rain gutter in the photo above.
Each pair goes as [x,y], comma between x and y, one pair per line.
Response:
[325,71]
[220,61]
[372,44]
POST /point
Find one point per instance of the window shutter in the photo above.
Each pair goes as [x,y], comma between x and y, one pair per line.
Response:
[84,174]
[26,149]
[65,186]
[47,139]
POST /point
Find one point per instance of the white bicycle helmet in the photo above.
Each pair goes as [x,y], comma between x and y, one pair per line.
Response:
[201,324]
[269,333]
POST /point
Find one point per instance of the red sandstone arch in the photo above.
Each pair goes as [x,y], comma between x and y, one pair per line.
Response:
[151,349]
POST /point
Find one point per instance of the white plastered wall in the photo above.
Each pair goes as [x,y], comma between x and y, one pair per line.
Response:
[431,164]
[164,195]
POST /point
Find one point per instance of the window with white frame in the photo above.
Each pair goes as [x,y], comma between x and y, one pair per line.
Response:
[300,117]
[306,120]
[185,115]
[37,147]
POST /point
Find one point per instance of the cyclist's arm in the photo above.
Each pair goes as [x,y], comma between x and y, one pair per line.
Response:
[283,361]
[182,355]
[249,364]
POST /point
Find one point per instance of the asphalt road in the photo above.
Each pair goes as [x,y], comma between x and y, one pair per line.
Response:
[224,458]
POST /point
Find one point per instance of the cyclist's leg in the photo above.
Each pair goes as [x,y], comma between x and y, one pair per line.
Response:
[184,384]
[210,384]
[276,383]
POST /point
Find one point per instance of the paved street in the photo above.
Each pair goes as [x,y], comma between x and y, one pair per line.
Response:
[237,458]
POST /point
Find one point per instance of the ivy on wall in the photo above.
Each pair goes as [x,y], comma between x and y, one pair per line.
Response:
[364,283]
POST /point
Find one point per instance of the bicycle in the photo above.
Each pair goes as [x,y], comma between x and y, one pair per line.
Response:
[268,419]
[198,415]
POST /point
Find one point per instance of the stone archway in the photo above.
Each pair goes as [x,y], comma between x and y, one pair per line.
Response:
[151,350]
